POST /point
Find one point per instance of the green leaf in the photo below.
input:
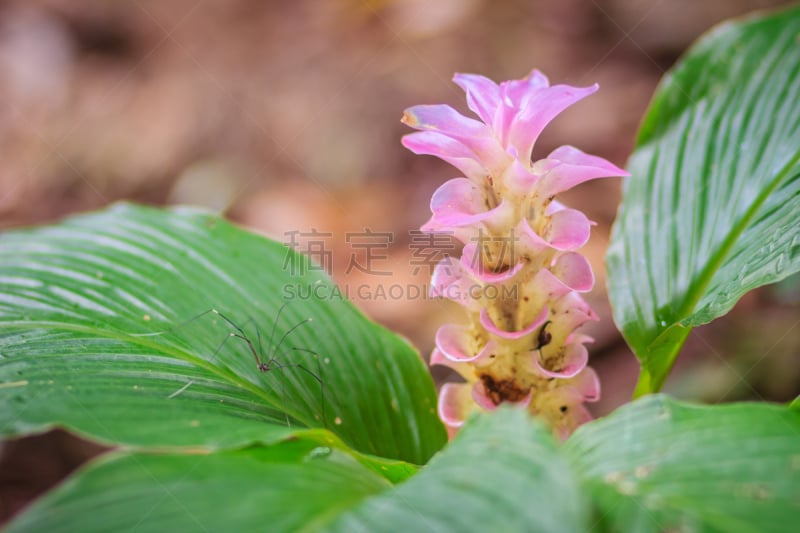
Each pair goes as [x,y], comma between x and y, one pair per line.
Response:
[663,465]
[710,211]
[655,465]
[95,336]
[501,473]
[281,488]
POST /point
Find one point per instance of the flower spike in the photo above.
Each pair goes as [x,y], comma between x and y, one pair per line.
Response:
[520,345]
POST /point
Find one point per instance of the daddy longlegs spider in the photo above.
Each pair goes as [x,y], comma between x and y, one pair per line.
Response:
[272,363]
[265,362]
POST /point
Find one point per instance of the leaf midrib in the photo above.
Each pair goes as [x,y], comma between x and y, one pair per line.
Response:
[698,288]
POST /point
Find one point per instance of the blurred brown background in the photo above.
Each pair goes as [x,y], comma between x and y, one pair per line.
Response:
[285,116]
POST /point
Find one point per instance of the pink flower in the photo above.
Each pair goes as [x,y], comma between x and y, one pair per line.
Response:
[519,274]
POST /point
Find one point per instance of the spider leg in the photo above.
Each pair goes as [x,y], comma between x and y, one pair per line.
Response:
[317,377]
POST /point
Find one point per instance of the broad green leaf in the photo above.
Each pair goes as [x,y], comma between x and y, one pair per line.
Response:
[711,209]
[662,465]
[501,473]
[96,336]
[281,488]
